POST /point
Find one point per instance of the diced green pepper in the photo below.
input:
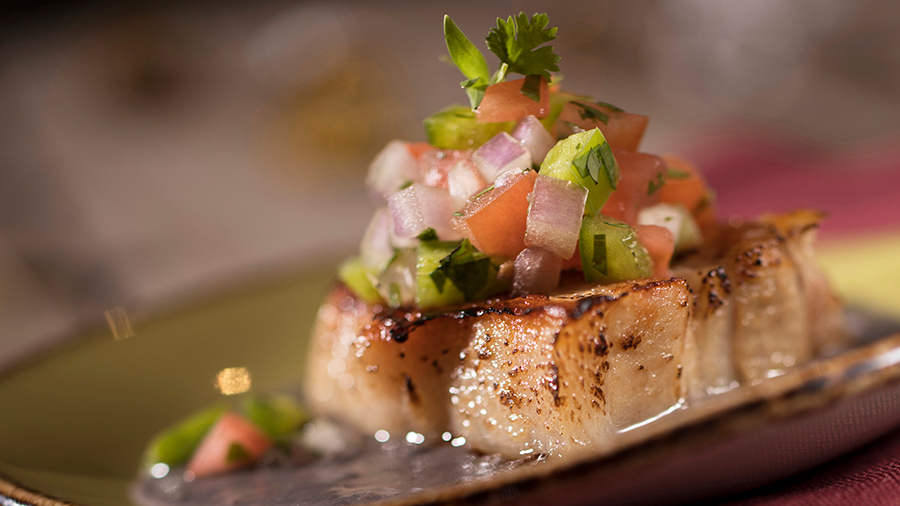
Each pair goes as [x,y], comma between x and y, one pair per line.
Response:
[456,128]
[610,251]
[585,159]
[175,444]
[357,278]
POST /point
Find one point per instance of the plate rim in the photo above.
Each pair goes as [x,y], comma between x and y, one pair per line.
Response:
[860,360]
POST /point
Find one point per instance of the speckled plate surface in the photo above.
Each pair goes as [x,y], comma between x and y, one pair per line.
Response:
[74,422]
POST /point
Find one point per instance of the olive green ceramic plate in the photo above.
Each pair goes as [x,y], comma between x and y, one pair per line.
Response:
[74,422]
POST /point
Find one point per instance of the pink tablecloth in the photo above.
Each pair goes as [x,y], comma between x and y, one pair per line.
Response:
[869,476]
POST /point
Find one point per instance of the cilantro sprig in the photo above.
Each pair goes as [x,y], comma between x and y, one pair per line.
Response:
[466,267]
[517,41]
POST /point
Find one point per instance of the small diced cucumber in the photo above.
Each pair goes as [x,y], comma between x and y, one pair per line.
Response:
[610,251]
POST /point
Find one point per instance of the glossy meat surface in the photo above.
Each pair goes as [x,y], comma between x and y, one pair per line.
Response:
[563,374]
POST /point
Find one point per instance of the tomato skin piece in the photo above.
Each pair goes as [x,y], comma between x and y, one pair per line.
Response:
[692,192]
[495,221]
[624,130]
[212,455]
[660,244]
[505,102]
[632,195]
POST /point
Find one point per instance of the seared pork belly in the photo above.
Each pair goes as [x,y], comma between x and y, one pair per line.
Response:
[530,375]
[761,306]
[562,374]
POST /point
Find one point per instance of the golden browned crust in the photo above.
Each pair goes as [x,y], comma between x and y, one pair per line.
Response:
[562,373]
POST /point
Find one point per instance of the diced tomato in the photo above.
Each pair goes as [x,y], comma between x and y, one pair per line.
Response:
[212,457]
[435,164]
[505,102]
[660,244]
[495,221]
[691,192]
[417,149]
[633,192]
[624,130]
[573,263]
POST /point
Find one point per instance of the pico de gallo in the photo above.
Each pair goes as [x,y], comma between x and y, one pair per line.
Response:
[523,183]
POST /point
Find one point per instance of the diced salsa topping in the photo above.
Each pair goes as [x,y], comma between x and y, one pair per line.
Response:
[524,183]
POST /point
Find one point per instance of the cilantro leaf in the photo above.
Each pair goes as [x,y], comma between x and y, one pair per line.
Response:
[596,158]
[464,54]
[466,267]
[677,174]
[654,186]
[531,87]
[469,60]
[591,113]
[428,235]
[609,106]
[515,41]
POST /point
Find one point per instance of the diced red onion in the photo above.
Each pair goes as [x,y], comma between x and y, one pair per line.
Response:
[463,181]
[435,165]
[376,249]
[392,168]
[500,154]
[534,137]
[536,271]
[420,207]
[554,216]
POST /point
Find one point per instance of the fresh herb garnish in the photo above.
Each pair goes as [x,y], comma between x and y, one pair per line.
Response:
[654,186]
[596,158]
[515,41]
[469,60]
[600,254]
[677,174]
[236,453]
[406,185]
[466,267]
[482,192]
[531,87]
[590,113]
[428,235]
[457,213]
[609,106]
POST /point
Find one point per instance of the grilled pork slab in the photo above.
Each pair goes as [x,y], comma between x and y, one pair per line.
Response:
[561,374]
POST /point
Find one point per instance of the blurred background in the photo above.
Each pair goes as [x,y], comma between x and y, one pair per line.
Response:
[151,153]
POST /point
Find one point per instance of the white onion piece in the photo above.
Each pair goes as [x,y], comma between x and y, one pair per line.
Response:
[392,168]
[463,181]
[677,220]
[500,154]
[376,249]
[536,271]
[420,207]
[534,137]
[397,284]
[554,215]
